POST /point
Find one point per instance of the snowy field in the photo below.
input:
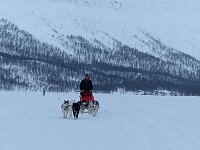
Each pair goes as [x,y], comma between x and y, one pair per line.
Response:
[30,121]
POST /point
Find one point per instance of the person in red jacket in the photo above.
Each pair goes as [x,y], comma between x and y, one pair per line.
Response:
[86,88]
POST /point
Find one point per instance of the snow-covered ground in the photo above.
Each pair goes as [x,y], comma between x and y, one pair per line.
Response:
[175,22]
[30,121]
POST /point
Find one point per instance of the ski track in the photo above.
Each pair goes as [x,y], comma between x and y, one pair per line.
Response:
[30,121]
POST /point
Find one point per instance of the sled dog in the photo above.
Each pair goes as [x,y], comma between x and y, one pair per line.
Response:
[67,108]
[93,108]
[76,109]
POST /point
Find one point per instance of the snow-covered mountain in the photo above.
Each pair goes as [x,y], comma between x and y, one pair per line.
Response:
[123,44]
[174,22]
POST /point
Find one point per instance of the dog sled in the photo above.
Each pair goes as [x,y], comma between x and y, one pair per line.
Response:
[88,104]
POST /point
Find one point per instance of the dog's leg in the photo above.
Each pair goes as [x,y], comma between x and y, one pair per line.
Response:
[77,112]
[70,110]
[65,113]
[74,113]
[63,110]
[70,107]
[67,110]
[81,110]
[89,108]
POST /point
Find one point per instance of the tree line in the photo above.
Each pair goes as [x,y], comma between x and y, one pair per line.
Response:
[27,63]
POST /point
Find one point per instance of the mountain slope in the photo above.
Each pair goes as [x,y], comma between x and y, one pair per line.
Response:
[52,47]
[28,63]
[174,23]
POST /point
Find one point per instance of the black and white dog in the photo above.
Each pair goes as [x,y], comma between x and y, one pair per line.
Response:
[93,108]
[67,108]
[76,109]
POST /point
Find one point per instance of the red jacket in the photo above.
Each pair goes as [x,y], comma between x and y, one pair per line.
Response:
[87,96]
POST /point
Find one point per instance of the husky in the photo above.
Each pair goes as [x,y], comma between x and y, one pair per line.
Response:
[70,107]
[83,106]
[93,108]
[76,109]
[67,108]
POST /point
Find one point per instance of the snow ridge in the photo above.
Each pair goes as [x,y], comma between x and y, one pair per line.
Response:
[174,23]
